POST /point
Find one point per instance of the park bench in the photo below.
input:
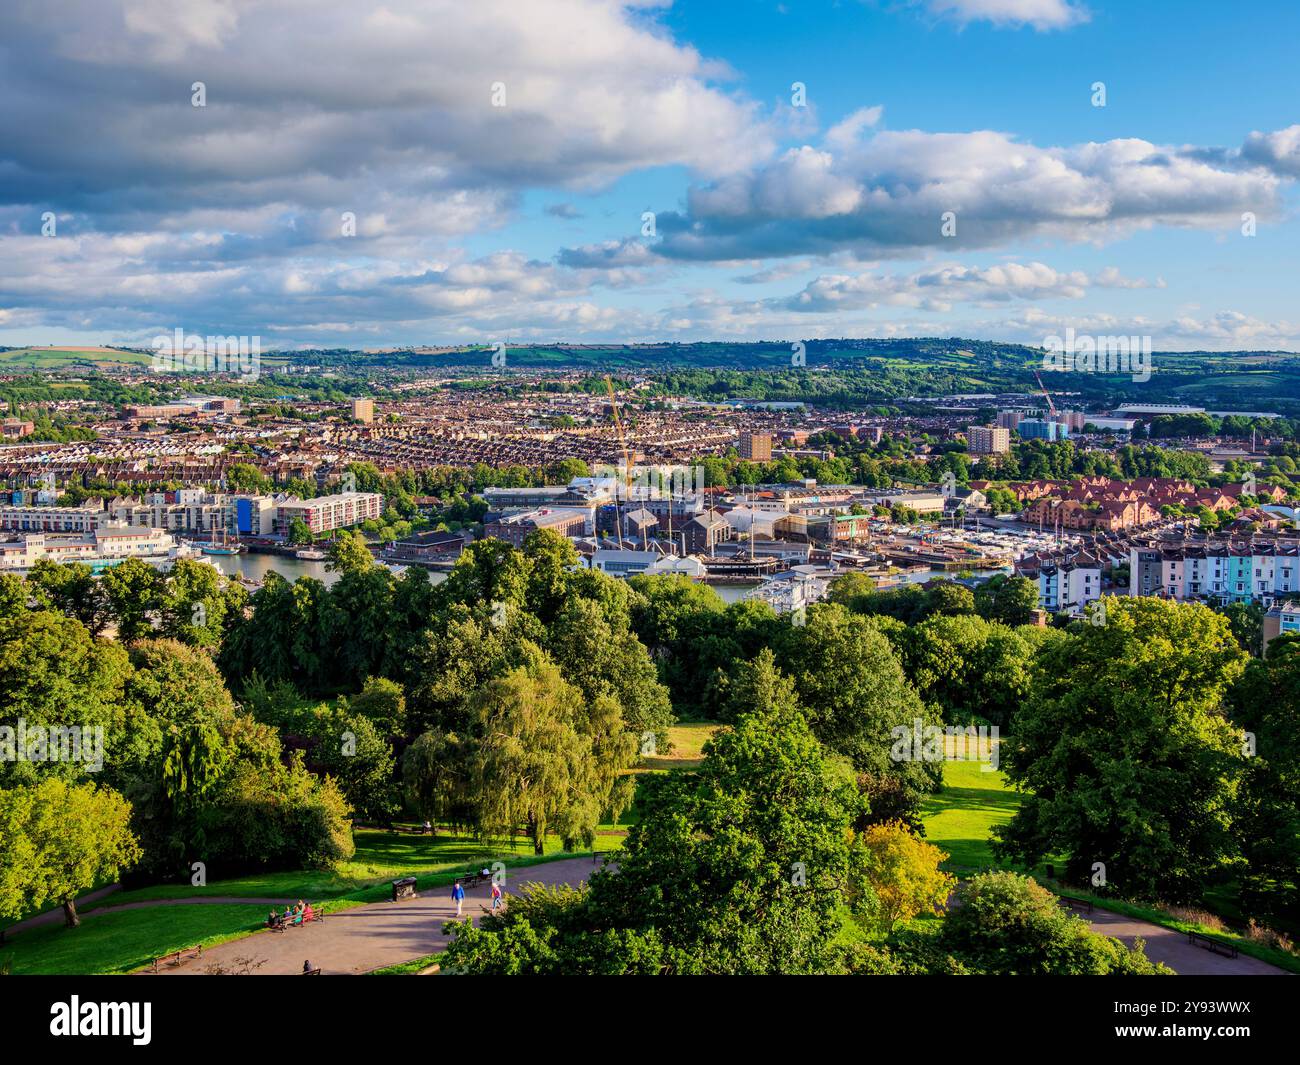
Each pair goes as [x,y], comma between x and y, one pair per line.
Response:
[404,888]
[311,972]
[473,879]
[1078,904]
[178,956]
[282,922]
[1210,943]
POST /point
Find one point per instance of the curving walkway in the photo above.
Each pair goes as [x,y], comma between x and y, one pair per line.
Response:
[1170,947]
[375,935]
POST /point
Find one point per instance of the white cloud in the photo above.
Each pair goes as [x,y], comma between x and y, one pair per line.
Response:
[888,195]
[1040,14]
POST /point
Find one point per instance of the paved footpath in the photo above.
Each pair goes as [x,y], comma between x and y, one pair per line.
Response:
[377,934]
[1166,945]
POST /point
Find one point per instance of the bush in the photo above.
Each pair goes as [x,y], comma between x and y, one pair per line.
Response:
[281,818]
[1005,923]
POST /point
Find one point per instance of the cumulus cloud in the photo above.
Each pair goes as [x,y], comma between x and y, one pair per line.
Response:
[1278,151]
[303,98]
[891,194]
[940,287]
[1039,14]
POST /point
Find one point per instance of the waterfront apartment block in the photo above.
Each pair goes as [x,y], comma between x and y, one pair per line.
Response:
[52,519]
[105,546]
[325,513]
[195,512]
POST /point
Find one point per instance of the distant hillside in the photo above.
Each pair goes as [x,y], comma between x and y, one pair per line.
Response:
[846,373]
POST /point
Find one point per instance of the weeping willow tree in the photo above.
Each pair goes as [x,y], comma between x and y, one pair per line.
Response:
[544,758]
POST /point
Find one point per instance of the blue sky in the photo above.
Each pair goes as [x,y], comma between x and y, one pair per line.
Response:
[484,216]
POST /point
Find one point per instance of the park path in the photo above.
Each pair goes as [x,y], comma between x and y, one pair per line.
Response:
[56,914]
[375,935]
[1170,947]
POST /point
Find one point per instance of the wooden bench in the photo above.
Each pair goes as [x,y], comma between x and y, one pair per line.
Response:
[1079,904]
[311,972]
[178,956]
[283,922]
[1227,950]
[474,879]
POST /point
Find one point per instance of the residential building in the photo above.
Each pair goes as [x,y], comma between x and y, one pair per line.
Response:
[363,410]
[325,513]
[1283,619]
[105,546]
[988,440]
[1039,429]
[52,519]
[756,447]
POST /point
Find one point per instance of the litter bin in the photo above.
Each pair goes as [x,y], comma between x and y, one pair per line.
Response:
[404,888]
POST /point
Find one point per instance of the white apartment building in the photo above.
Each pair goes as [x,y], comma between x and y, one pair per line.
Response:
[195,512]
[324,513]
[1069,586]
[105,546]
[52,519]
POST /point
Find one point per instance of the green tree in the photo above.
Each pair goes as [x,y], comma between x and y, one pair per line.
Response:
[349,554]
[851,681]
[134,590]
[1011,600]
[61,839]
[71,587]
[737,868]
[1124,751]
[299,532]
[532,767]
[1266,704]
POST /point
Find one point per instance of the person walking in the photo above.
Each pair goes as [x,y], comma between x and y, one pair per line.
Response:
[496,895]
[458,896]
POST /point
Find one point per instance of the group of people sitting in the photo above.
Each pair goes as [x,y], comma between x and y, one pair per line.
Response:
[292,915]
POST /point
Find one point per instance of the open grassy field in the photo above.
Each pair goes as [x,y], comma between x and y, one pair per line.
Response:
[125,940]
[686,742]
[59,358]
[961,818]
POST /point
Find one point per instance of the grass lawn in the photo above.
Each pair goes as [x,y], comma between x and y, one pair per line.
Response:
[407,968]
[119,942]
[380,857]
[961,818]
[686,742]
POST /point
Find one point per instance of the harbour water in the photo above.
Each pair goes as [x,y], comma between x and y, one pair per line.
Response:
[256,567]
